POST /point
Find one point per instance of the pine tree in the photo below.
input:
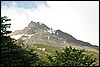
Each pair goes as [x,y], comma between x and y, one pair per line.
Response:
[4,26]
[12,54]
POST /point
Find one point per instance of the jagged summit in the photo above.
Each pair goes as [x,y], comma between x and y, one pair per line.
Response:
[31,24]
[37,32]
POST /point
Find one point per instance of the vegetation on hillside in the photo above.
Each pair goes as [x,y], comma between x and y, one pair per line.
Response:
[16,54]
[72,57]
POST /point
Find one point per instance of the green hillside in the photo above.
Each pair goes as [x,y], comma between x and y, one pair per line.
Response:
[51,50]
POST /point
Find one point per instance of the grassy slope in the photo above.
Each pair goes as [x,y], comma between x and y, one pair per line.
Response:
[52,49]
[95,55]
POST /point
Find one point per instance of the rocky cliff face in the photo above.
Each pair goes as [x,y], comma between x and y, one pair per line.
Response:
[37,32]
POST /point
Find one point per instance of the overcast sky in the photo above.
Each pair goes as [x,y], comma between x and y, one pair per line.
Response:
[78,18]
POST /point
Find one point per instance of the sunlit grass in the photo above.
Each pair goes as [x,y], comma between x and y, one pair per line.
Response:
[52,49]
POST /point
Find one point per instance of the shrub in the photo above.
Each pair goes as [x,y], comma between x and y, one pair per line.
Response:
[72,57]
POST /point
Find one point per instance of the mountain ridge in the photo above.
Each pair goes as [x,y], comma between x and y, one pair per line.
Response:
[37,32]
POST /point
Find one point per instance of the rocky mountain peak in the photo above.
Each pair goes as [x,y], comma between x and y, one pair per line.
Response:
[31,24]
[37,32]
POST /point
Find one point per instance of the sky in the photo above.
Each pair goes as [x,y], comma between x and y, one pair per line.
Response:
[78,18]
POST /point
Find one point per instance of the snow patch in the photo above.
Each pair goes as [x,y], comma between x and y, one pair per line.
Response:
[57,33]
[25,34]
[65,41]
[39,23]
[24,38]
[51,31]
[29,35]
[35,31]
[48,37]
[17,36]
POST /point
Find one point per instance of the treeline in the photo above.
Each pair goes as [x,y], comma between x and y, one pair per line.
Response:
[14,55]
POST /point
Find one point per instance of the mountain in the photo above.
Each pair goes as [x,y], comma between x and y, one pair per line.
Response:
[39,33]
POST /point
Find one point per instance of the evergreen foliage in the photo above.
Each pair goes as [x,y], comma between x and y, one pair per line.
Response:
[72,57]
[4,26]
[12,54]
